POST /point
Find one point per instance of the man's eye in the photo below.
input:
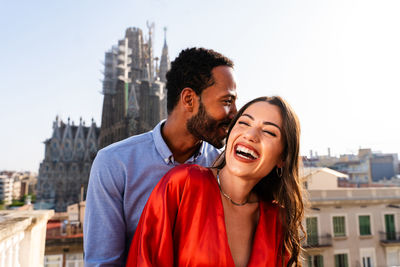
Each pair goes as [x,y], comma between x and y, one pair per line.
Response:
[270,133]
[228,101]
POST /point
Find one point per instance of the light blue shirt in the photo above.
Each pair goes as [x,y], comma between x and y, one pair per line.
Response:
[121,179]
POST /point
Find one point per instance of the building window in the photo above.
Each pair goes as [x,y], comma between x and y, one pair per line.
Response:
[390,227]
[367,257]
[341,260]
[74,260]
[367,262]
[312,231]
[53,260]
[315,261]
[392,258]
[364,222]
[339,228]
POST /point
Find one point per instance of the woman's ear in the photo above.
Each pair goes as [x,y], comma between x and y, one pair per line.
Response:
[281,163]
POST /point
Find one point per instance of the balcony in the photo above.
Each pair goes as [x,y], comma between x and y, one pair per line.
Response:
[22,237]
[320,241]
[389,238]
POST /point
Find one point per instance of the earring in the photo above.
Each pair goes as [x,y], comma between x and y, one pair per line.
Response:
[279,171]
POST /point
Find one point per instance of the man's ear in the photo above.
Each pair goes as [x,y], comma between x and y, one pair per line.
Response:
[188,99]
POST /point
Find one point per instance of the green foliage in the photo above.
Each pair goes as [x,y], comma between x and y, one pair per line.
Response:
[33,198]
[17,203]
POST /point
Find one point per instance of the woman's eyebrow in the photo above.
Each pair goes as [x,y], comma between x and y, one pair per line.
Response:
[271,123]
[248,115]
[265,122]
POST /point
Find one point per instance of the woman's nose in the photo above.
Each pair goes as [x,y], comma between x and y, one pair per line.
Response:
[252,134]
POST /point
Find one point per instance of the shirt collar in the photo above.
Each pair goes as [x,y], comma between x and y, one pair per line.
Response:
[164,150]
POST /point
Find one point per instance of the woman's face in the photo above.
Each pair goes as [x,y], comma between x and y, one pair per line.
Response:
[255,143]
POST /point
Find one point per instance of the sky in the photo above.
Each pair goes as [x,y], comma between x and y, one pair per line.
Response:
[336,62]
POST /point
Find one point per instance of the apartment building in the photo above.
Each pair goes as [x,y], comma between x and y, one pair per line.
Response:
[367,168]
[6,189]
[353,227]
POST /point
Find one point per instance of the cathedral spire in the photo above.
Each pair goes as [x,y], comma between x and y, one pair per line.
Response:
[56,130]
[164,63]
[150,27]
[165,37]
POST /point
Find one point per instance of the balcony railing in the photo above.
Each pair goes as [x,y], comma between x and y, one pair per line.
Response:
[389,237]
[22,237]
[318,241]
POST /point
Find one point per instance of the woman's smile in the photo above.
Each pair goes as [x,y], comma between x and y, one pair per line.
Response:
[246,152]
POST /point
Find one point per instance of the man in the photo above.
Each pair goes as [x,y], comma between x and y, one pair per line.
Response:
[201,103]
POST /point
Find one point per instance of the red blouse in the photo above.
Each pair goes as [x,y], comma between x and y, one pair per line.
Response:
[183,224]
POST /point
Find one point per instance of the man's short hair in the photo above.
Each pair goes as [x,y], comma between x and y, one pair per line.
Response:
[192,68]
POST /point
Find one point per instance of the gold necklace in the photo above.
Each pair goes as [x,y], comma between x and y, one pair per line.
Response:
[228,197]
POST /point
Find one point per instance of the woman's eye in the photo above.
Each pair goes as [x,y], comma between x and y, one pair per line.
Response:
[270,133]
[244,123]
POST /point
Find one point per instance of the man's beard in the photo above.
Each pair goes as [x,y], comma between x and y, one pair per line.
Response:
[206,128]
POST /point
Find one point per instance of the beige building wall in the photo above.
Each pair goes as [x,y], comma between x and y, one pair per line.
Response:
[379,248]
[321,178]
[76,213]
[17,190]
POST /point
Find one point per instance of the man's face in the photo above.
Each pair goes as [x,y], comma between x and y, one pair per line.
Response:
[216,109]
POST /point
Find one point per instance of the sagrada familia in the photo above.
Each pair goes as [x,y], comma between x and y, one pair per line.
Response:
[134,102]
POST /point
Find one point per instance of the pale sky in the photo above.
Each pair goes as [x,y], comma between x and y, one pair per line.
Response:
[336,62]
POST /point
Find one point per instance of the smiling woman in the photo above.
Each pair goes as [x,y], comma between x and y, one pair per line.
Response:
[249,202]
[268,129]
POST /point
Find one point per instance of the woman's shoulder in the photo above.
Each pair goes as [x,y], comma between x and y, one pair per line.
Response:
[185,173]
[188,169]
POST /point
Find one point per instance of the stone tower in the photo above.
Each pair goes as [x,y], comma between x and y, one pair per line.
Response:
[133,87]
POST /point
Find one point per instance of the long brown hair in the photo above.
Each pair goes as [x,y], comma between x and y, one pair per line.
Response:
[286,189]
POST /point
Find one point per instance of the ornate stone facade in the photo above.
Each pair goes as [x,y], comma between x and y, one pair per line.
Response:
[69,154]
[133,87]
[134,102]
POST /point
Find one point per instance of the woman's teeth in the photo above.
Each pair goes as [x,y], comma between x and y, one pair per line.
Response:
[246,153]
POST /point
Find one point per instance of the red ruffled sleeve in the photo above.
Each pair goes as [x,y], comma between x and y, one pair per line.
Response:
[153,244]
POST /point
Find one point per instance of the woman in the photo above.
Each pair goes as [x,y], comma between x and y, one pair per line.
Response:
[246,211]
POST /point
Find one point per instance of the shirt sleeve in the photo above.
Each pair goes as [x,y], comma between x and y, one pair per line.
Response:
[104,225]
[153,243]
